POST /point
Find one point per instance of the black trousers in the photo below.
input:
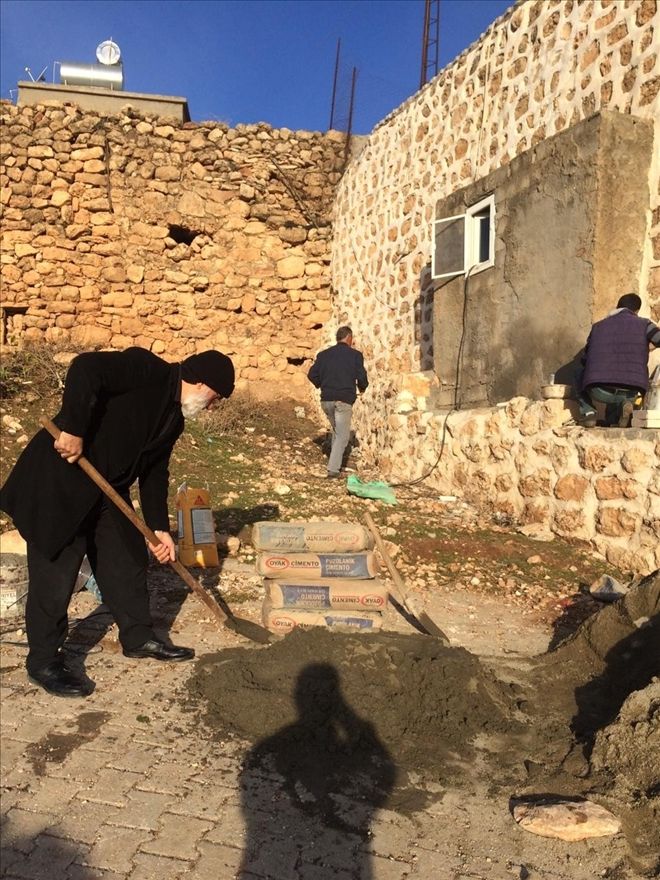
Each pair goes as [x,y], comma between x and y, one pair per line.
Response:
[118,558]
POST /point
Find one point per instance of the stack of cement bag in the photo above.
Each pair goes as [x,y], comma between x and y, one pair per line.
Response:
[319,574]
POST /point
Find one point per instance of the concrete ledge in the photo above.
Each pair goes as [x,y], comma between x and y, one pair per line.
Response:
[103,101]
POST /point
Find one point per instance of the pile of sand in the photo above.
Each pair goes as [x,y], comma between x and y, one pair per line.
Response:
[425,703]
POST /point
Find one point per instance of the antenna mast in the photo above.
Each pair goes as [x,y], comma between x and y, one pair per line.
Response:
[430,41]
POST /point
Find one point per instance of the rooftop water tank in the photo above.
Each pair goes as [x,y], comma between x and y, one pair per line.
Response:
[108,74]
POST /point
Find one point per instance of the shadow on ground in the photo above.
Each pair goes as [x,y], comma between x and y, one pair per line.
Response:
[328,774]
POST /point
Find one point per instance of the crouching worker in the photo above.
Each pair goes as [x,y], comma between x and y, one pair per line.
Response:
[615,363]
[124,411]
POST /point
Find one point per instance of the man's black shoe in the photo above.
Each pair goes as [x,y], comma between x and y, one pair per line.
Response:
[57,679]
[157,650]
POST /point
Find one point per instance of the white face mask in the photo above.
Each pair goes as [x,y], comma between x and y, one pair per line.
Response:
[195,402]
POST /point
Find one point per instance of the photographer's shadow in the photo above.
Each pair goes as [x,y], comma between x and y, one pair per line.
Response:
[310,792]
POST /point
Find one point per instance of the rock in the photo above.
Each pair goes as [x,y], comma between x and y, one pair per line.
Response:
[608,589]
[228,544]
[392,548]
[11,424]
[566,820]
[291,267]
[282,489]
[12,542]
[537,531]
[64,358]
[534,560]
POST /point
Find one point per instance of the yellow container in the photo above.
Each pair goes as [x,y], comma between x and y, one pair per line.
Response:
[196,529]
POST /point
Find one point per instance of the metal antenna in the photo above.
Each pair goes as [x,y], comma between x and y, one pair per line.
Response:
[40,78]
[334,86]
[430,41]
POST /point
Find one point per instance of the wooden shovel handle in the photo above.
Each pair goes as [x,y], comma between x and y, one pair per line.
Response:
[387,559]
[411,604]
[139,523]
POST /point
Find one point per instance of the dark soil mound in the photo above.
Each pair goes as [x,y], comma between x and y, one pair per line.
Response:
[424,703]
[613,654]
[595,708]
[627,753]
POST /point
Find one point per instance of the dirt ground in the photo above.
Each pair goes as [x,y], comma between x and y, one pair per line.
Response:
[438,714]
[341,756]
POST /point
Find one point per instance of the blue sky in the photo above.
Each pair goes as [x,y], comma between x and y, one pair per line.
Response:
[245,60]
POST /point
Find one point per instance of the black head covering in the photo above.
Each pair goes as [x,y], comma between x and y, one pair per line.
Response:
[212,368]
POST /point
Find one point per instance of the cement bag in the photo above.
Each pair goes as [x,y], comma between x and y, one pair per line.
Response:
[284,620]
[315,565]
[335,593]
[315,537]
[196,529]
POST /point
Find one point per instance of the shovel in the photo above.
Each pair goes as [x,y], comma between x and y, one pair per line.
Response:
[221,612]
[400,593]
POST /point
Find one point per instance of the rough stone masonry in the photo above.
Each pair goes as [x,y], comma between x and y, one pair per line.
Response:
[128,230]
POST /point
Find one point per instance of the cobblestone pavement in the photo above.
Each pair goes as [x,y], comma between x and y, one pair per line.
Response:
[128,784]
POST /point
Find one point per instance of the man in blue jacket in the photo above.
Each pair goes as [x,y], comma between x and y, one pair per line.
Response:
[338,371]
[124,411]
[616,363]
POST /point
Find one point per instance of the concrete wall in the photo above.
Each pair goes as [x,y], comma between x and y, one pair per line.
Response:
[570,218]
[102,100]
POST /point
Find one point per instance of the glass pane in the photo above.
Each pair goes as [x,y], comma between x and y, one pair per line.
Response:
[449,247]
[483,232]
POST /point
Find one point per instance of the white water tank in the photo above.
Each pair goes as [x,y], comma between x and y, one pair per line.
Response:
[101,75]
[107,74]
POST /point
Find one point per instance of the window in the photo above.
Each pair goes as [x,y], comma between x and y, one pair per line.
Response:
[465,242]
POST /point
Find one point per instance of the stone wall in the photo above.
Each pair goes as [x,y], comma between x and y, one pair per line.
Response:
[539,69]
[134,230]
[523,462]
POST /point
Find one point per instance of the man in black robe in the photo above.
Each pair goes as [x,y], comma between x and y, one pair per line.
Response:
[124,411]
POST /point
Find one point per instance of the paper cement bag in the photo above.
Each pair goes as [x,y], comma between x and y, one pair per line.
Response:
[314,565]
[196,529]
[315,537]
[322,593]
[284,620]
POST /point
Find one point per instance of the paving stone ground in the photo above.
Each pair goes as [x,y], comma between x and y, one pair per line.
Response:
[128,784]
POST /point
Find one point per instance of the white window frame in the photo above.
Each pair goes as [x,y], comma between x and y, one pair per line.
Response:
[472,238]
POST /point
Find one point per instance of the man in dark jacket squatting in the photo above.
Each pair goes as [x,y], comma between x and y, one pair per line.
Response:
[616,363]
[124,411]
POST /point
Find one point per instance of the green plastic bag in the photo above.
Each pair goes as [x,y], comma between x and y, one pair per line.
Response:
[377,489]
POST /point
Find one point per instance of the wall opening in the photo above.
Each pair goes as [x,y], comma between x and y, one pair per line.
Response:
[11,323]
[182,235]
